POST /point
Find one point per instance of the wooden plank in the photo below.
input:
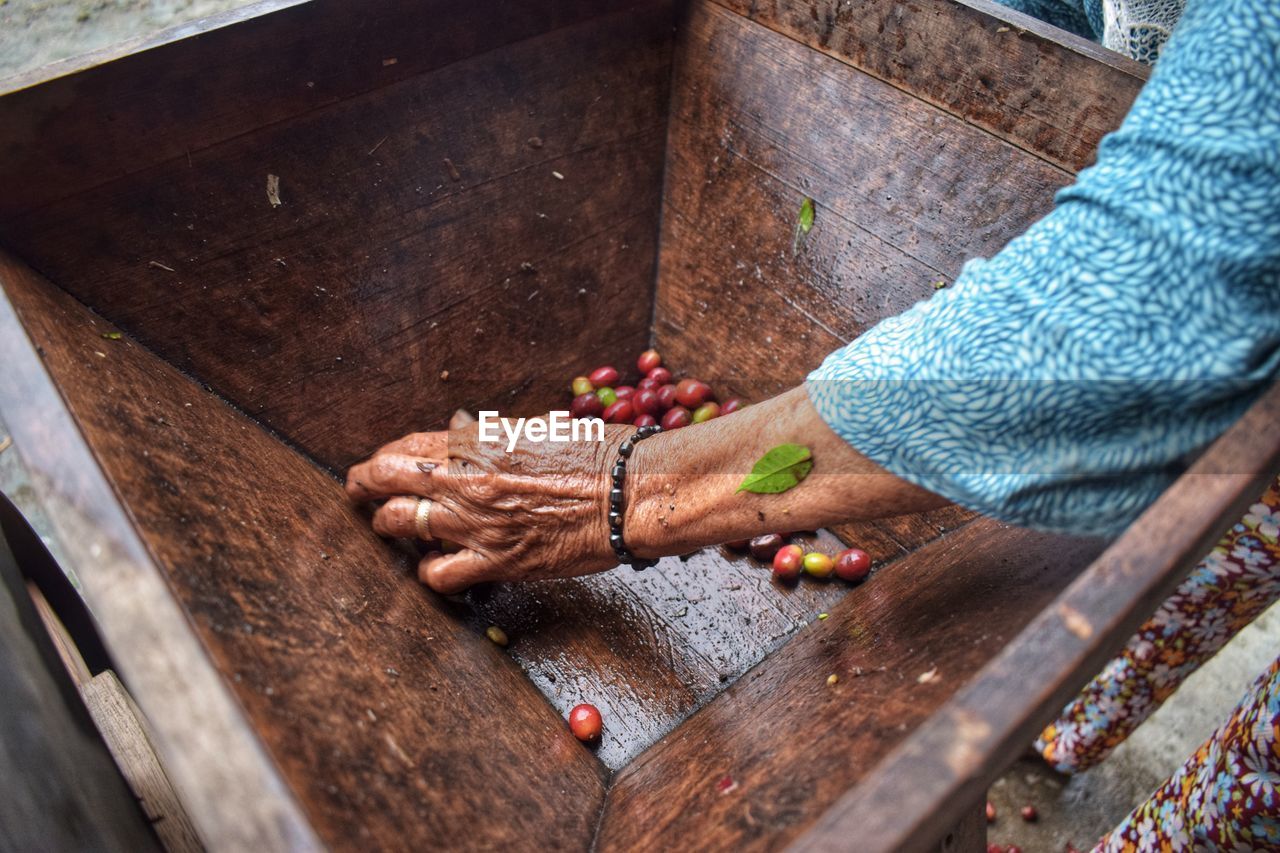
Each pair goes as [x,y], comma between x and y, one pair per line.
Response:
[981,62]
[375,701]
[211,80]
[70,656]
[125,732]
[423,230]
[60,789]
[890,538]
[215,759]
[790,744]
[904,195]
[913,794]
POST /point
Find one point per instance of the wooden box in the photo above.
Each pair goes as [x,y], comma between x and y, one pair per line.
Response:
[317,226]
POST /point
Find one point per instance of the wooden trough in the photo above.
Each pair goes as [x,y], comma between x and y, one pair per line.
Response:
[318,226]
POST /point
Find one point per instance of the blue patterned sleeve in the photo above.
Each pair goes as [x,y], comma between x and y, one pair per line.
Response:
[1082,17]
[1064,383]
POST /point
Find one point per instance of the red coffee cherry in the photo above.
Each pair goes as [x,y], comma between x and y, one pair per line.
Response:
[648,383]
[585,722]
[691,393]
[853,565]
[738,544]
[586,406]
[676,418]
[603,376]
[732,405]
[659,375]
[648,360]
[624,391]
[1029,814]
[645,420]
[582,385]
[646,402]
[787,563]
[667,396]
[764,547]
[620,412]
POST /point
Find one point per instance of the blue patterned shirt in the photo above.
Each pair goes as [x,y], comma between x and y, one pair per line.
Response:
[1066,382]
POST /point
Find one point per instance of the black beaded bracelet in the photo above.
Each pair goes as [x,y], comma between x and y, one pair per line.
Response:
[616,500]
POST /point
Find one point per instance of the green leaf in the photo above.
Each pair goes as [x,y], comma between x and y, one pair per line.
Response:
[780,469]
[804,224]
[112,336]
[806,215]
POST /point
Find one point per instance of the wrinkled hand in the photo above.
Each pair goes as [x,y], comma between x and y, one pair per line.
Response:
[537,512]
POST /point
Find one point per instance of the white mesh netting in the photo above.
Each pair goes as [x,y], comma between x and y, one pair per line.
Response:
[1139,28]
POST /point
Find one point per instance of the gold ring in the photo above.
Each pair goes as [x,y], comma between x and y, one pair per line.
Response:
[422,519]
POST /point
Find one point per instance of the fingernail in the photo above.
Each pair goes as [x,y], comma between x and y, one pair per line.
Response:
[426,467]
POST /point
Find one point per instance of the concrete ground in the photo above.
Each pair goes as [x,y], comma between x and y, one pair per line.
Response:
[1076,811]
[1079,810]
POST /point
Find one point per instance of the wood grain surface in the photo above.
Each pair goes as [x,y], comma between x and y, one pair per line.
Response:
[904,193]
[648,648]
[429,231]
[124,730]
[211,80]
[215,759]
[1045,90]
[393,722]
[790,744]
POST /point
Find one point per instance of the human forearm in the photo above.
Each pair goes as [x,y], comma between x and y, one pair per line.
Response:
[682,485]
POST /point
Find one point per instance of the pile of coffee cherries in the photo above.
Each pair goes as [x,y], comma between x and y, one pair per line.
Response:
[789,561]
[657,398]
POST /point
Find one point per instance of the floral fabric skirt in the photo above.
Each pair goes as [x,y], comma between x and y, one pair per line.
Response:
[1225,796]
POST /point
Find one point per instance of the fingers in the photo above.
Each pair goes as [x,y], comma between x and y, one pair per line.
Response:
[461,418]
[452,573]
[397,518]
[390,474]
[433,445]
